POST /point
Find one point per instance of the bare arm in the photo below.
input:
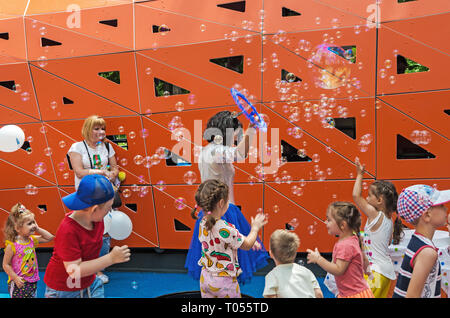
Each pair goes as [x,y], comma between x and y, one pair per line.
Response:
[113,170]
[244,145]
[335,269]
[7,257]
[423,264]
[361,202]
[44,235]
[78,268]
[257,223]
[318,293]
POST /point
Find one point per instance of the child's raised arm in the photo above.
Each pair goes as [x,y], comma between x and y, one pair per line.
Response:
[257,223]
[361,202]
[244,145]
[44,235]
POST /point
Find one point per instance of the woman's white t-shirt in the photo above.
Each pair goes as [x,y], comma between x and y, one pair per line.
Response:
[216,162]
[99,156]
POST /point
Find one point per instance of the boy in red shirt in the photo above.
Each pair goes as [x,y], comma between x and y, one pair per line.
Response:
[71,270]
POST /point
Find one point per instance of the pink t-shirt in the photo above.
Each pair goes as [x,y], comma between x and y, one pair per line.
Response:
[352,281]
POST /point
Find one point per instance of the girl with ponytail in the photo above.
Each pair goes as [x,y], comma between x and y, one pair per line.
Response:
[347,265]
[379,230]
[220,242]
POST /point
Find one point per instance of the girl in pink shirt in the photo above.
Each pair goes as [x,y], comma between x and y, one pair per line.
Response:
[19,261]
[344,221]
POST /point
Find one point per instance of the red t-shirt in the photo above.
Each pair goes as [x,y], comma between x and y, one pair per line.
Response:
[352,281]
[72,242]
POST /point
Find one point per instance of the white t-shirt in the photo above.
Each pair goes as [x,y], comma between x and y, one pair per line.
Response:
[216,162]
[99,156]
[376,246]
[291,281]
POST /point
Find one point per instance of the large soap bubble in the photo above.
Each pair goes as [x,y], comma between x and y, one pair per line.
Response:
[331,69]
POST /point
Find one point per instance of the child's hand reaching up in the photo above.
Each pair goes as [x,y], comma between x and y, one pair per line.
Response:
[313,256]
[259,221]
[360,168]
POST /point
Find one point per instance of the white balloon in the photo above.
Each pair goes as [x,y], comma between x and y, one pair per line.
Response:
[121,225]
[107,222]
[12,138]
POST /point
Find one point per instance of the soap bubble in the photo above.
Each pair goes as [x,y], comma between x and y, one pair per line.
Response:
[31,189]
[40,168]
[48,151]
[311,228]
[290,77]
[180,203]
[138,160]
[316,157]
[132,134]
[144,133]
[179,106]
[292,224]
[275,208]
[61,166]
[126,193]
[160,185]
[134,285]
[420,137]
[218,139]
[123,162]
[190,177]
[203,28]
[333,70]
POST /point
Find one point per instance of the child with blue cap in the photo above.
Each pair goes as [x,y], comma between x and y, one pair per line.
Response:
[71,270]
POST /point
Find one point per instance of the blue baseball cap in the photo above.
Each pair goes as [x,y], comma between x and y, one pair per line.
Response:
[93,189]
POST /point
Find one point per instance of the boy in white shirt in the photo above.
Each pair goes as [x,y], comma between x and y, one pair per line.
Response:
[289,279]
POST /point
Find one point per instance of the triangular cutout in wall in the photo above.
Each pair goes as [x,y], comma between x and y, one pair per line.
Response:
[235,6]
[234,63]
[132,206]
[163,88]
[180,226]
[160,28]
[406,149]
[67,101]
[113,22]
[346,125]
[407,66]
[286,12]
[48,42]
[292,154]
[9,85]
[113,76]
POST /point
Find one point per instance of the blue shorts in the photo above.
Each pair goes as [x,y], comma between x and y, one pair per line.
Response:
[96,290]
